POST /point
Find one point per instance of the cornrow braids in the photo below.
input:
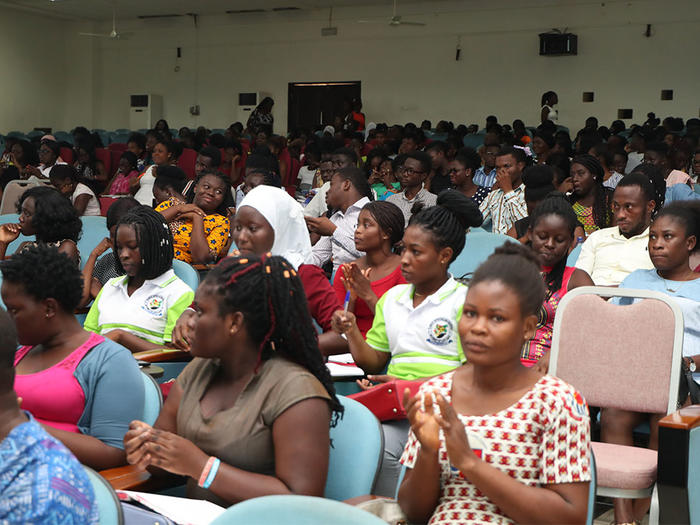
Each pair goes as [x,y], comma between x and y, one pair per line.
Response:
[449,220]
[269,294]
[154,239]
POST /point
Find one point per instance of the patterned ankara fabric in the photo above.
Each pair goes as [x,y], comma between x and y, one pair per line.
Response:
[216,228]
[585,217]
[41,481]
[543,438]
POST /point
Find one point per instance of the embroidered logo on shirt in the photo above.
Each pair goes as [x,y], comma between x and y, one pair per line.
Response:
[154,305]
[440,331]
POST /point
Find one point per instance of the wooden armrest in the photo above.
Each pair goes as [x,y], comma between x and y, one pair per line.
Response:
[168,354]
[131,477]
[683,419]
[361,499]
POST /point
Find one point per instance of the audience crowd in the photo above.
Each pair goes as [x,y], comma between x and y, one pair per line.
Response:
[337,240]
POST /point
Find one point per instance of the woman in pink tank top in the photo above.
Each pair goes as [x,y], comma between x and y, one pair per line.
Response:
[70,380]
[552,226]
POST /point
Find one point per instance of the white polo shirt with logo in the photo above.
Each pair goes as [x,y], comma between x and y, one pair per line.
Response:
[423,341]
[149,313]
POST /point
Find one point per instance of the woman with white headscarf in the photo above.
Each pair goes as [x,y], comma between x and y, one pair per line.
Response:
[269,220]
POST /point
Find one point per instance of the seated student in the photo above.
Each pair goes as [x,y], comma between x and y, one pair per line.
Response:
[136,144]
[461,171]
[208,159]
[229,161]
[389,183]
[312,160]
[96,272]
[673,237]
[611,254]
[65,179]
[45,213]
[590,199]
[270,220]
[439,178]
[660,155]
[83,388]
[261,162]
[49,156]
[412,176]
[462,466]
[165,153]
[40,480]
[128,170]
[552,234]
[348,194]
[542,144]
[138,309]
[415,325]
[152,138]
[340,158]
[204,229]
[506,202]
[619,161]
[17,156]
[380,228]
[485,175]
[606,158]
[169,185]
[250,415]
[91,170]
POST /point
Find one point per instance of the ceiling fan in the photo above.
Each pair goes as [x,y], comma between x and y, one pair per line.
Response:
[114,35]
[395,20]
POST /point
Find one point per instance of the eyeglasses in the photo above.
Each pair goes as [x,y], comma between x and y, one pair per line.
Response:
[410,171]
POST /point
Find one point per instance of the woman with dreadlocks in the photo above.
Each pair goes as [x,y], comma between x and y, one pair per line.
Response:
[590,200]
[250,415]
[138,310]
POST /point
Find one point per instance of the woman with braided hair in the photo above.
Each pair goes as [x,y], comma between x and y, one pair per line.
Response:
[138,310]
[590,199]
[250,415]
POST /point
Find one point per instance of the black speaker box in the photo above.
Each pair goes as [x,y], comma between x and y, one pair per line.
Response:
[558,44]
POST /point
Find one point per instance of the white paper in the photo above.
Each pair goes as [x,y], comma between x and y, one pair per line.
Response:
[342,370]
[183,511]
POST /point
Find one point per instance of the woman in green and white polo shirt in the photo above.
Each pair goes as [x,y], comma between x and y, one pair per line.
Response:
[415,325]
[139,310]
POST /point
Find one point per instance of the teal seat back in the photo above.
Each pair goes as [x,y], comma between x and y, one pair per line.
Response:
[479,245]
[354,463]
[187,273]
[109,509]
[152,399]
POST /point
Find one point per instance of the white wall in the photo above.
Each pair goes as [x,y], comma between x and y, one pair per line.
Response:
[45,79]
[407,73]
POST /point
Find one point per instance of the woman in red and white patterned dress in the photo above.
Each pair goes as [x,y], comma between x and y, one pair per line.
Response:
[493,441]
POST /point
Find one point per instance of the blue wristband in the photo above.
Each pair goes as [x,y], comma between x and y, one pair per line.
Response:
[212,473]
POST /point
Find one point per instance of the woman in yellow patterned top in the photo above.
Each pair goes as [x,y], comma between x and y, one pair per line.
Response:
[200,227]
[590,199]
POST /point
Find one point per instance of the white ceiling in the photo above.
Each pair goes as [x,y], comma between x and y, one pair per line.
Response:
[102,9]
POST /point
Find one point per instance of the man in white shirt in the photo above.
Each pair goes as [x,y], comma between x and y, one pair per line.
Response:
[506,202]
[349,192]
[412,176]
[341,158]
[611,254]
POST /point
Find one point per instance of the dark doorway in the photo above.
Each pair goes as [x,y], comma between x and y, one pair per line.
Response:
[317,103]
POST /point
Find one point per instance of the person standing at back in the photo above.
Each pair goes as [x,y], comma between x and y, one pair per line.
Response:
[40,480]
[506,202]
[549,100]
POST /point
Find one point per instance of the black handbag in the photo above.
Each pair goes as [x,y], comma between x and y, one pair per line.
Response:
[688,386]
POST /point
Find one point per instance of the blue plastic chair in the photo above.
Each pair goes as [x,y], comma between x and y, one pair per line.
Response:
[295,510]
[152,400]
[479,245]
[573,256]
[94,230]
[354,463]
[109,509]
[185,272]
[16,135]
[474,140]
[64,136]
[35,134]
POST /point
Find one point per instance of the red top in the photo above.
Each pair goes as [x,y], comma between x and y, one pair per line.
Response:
[319,294]
[364,315]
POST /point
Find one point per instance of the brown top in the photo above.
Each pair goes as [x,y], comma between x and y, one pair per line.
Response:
[241,436]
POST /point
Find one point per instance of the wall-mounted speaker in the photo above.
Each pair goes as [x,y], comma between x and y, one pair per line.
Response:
[558,44]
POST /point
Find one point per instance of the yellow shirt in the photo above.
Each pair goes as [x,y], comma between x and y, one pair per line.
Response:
[609,257]
[216,229]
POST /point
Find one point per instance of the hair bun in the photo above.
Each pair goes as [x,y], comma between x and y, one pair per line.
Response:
[518,250]
[463,208]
